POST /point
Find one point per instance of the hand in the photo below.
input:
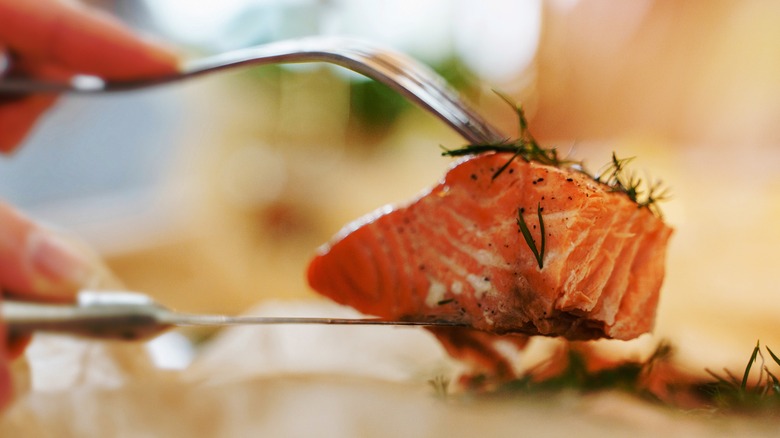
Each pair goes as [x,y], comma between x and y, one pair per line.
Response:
[36,263]
[55,39]
[59,38]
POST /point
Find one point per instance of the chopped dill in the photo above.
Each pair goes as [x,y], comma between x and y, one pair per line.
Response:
[538,252]
[615,175]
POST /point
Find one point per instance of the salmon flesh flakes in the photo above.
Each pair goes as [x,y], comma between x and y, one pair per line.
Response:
[459,252]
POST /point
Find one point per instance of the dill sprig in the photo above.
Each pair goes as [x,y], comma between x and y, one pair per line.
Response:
[615,174]
[524,147]
[619,179]
[440,385]
[725,392]
[732,393]
[576,375]
[657,378]
[538,253]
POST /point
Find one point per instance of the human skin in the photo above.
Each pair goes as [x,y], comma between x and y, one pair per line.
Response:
[58,38]
[55,39]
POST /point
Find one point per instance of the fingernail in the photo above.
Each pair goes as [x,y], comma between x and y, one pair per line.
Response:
[57,267]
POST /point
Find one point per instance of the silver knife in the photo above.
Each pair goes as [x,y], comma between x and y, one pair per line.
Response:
[135,316]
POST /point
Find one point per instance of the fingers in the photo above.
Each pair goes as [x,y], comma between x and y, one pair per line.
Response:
[33,263]
[19,113]
[18,117]
[6,384]
[58,38]
[80,39]
[36,262]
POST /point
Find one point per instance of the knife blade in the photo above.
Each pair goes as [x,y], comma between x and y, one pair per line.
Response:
[135,316]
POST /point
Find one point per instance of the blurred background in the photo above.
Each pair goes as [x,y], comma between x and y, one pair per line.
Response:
[211,195]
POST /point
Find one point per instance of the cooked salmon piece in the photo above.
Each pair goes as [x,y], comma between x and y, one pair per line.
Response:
[457,253]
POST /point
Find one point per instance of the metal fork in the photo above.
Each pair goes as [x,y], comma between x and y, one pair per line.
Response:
[412,79]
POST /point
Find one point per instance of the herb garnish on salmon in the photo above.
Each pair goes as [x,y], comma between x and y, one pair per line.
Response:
[460,252]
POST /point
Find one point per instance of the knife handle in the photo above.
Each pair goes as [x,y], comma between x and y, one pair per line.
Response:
[104,315]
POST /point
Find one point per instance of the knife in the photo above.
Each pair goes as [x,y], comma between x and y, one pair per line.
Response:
[135,316]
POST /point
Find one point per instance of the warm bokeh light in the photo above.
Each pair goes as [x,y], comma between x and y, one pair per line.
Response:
[212,195]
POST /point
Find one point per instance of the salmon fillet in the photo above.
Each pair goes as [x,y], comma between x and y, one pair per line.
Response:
[457,253]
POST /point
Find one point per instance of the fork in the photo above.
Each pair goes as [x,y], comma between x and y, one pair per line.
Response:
[401,73]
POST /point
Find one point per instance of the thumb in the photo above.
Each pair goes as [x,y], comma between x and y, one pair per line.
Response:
[36,262]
